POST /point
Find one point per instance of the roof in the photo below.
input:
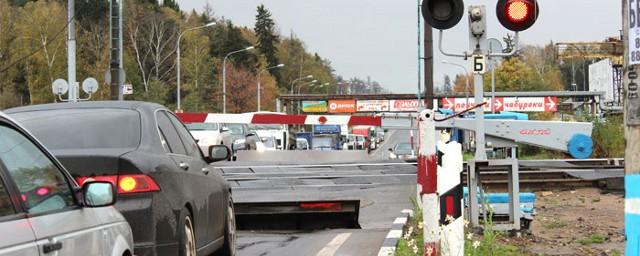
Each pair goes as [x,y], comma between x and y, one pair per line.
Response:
[87,105]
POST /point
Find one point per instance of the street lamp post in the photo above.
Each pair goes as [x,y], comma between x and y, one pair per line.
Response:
[466,72]
[300,78]
[307,84]
[178,60]
[259,73]
[224,77]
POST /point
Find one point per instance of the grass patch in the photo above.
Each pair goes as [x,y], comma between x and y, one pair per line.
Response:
[592,239]
[554,224]
[487,244]
[412,241]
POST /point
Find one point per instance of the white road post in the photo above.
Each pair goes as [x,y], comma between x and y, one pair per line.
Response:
[427,182]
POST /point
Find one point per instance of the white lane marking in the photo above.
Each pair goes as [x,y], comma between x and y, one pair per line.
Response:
[632,206]
[394,233]
[400,220]
[332,247]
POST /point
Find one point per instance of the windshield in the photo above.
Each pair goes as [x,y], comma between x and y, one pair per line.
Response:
[322,143]
[235,129]
[83,128]
[203,127]
[266,127]
[403,147]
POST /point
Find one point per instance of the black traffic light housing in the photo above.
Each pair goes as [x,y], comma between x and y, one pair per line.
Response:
[517,15]
[442,14]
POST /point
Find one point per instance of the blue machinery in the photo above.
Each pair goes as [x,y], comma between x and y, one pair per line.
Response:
[573,138]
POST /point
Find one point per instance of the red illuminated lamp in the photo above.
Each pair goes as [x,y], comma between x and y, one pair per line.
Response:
[517,15]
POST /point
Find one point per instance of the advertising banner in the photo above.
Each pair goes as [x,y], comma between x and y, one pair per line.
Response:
[403,105]
[342,106]
[372,105]
[514,104]
[317,106]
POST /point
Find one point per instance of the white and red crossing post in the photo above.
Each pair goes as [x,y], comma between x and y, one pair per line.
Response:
[440,190]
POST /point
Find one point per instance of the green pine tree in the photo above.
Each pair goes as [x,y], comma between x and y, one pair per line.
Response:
[267,39]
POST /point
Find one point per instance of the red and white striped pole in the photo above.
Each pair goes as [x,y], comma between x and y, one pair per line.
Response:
[428,182]
[440,190]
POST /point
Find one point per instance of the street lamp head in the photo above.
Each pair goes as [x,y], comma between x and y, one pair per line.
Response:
[314,81]
[280,66]
[325,84]
[249,48]
[309,76]
[210,24]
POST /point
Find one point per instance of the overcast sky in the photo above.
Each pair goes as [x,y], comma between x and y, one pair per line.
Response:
[378,38]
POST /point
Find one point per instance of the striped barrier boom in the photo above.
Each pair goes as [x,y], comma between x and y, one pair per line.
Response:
[279,118]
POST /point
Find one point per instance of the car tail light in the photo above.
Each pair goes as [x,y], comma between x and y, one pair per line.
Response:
[321,206]
[126,184]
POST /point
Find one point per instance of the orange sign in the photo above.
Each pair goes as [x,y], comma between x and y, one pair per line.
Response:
[342,106]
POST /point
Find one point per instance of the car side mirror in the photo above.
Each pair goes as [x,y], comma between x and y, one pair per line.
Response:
[98,194]
[251,134]
[390,150]
[218,153]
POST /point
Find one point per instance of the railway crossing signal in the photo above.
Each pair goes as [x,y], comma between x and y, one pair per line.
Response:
[517,15]
[442,14]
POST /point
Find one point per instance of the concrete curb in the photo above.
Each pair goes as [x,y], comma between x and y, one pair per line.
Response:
[393,237]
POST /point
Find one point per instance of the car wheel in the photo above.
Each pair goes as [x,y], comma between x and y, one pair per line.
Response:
[187,235]
[229,247]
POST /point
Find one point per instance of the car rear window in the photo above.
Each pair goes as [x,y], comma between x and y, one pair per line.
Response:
[83,128]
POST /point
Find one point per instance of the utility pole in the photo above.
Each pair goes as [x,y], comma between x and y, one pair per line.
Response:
[428,66]
[114,65]
[631,23]
[71,52]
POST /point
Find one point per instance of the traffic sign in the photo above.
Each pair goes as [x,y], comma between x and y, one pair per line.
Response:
[498,104]
[479,64]
[550,104]
[127,89]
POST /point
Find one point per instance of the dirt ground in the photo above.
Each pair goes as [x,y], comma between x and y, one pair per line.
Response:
[579,222]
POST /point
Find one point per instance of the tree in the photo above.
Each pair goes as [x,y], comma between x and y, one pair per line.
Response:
[152,39]
[40,29]
[8,91]
[241,90]
[267,39]
[227,38]
[172,4]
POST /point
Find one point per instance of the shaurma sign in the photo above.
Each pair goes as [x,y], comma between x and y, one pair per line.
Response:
[342,106]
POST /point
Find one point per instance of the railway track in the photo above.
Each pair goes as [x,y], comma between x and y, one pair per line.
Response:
[534,175]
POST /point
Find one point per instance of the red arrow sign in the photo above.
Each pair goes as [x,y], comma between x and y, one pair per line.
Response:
[550,104]
[448,103]
[499,104]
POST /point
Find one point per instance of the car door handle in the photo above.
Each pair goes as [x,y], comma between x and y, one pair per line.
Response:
[183,166]
[205,171]
[52,247]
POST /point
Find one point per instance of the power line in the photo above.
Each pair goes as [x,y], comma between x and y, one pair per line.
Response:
[47,44]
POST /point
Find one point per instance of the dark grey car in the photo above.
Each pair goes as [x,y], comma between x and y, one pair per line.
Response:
[174,201]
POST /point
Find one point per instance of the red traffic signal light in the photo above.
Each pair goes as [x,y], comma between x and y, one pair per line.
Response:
[442,14]
[517,15]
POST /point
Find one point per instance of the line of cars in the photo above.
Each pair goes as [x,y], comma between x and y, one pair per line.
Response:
[167,199]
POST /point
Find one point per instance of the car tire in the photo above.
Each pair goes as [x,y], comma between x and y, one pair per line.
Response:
[229,247]
[186,231]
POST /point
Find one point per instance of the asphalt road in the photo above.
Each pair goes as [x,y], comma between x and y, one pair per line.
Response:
[384,190]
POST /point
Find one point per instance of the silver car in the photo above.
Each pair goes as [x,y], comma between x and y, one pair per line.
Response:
[44,212]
